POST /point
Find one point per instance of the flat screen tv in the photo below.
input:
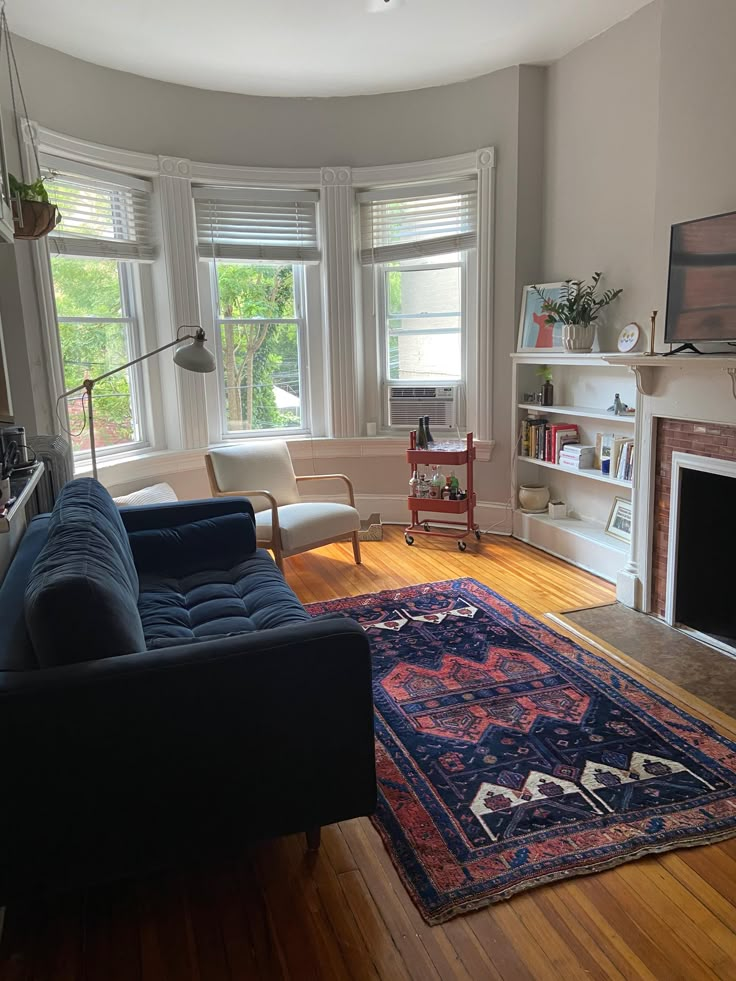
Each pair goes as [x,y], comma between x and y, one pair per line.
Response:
[701,297]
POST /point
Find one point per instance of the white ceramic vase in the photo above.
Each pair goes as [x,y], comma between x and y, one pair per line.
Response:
[578,337]
[533,497]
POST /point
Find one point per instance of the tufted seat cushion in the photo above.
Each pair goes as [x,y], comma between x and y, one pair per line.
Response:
[252,595]
[304,524]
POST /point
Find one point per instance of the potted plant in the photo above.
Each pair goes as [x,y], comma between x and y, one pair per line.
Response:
[33,214]
[577,310]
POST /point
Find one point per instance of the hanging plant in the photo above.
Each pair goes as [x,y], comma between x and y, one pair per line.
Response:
[33,214]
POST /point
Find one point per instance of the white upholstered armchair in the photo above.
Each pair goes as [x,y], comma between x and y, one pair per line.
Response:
[262,471]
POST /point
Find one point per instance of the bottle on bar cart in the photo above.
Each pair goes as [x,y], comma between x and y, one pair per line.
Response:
[422,441]
[413,483]
[427,433]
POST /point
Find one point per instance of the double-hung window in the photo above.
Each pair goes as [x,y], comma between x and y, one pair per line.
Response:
[96,252]
[262,255]
[415,242]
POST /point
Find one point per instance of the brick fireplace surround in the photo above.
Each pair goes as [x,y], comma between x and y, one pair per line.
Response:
[704,439]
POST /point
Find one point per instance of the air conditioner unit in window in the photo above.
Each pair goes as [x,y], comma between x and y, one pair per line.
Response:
[407,402]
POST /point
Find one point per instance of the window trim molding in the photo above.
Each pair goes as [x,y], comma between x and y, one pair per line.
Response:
[185,422]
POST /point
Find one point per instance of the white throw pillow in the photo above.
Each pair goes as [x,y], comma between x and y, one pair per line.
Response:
[156,494]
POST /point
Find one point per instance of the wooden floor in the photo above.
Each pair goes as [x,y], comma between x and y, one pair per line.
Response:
[279,912]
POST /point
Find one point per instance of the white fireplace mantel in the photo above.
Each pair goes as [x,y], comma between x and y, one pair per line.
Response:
[646,367]
[696,388]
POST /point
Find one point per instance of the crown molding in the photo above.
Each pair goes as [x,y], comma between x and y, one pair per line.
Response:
[440,168]
[72,148]
[207,173]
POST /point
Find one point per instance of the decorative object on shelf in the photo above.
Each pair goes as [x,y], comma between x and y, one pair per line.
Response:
[34,216]
[548,390]
[652,334]
[192,357]
[576,308]
[629,337]
[620,519]
[533,498]
[557,509]
[535,332]
[422,441]
[532,398]
[618,408]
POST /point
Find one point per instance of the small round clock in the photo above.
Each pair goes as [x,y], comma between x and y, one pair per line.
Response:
[629,337]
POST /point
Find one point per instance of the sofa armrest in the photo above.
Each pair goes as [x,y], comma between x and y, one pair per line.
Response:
[150,516]
[130,762]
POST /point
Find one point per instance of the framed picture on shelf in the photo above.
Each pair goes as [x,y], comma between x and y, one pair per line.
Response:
[619,520]
[535,334]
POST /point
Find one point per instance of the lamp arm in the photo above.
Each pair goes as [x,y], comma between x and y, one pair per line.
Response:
[90,382]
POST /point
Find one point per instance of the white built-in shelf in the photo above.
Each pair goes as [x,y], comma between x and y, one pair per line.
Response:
[22,499]
[584,412]
[594,358]
[591,531]
[590,474]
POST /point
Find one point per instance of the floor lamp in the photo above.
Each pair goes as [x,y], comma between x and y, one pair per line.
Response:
[193,357]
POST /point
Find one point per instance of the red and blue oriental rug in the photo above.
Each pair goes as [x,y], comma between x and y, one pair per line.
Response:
[509,757]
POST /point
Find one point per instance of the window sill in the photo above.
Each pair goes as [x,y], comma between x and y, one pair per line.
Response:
[158,463]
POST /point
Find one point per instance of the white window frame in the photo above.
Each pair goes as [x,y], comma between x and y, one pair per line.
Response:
[382,326]
[301,308]
[131,294]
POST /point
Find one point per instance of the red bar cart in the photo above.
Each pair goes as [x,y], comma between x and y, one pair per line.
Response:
[452,456]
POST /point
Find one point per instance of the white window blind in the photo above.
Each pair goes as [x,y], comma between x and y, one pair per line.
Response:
[399,223]
[103,214]
[237,223]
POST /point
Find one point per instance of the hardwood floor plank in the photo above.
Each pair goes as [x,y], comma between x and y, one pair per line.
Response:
[679,911]
[583,948]
[415,955]
[376,933]
[440,950]
[273,913]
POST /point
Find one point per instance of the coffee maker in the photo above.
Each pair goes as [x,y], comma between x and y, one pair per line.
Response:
[17,435]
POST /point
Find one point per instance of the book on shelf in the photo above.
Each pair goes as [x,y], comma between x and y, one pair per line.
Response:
[603,445]
[577,457]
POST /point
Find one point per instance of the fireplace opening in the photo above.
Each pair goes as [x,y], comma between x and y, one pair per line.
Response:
[705,590]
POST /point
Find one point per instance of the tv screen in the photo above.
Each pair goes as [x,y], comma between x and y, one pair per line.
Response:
[701,298]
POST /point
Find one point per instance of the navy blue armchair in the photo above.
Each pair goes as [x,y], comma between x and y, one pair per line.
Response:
[208,738]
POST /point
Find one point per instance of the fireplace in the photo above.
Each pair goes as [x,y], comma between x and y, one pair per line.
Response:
[701,548]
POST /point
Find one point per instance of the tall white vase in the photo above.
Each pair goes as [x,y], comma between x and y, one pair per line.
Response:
[578,337]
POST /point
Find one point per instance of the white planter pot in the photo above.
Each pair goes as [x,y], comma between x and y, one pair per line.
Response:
[578,337]
[533,498]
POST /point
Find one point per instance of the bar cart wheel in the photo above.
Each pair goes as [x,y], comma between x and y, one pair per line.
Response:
[461,546]
[408,539]
[477,534]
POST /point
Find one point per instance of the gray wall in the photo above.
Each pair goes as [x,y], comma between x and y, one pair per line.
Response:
[696,158]
[601,156]
[640,134]
[504,109]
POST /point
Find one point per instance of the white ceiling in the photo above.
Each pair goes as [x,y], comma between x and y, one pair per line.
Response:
[314,47]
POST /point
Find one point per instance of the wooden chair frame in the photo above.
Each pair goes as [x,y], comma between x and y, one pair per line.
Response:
[274,543]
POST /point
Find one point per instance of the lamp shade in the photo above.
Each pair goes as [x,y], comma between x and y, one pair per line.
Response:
[194,356]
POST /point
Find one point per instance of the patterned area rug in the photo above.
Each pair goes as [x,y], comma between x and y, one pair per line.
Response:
[509,757]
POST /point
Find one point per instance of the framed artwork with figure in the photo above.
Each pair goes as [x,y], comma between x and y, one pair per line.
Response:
[535,334]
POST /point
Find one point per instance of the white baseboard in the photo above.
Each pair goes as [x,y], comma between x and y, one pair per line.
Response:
[493,518]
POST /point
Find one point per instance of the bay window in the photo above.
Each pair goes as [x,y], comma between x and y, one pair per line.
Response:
[96,253]
[262,254]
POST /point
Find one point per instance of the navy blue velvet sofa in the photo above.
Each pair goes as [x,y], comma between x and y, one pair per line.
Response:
[163,693]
